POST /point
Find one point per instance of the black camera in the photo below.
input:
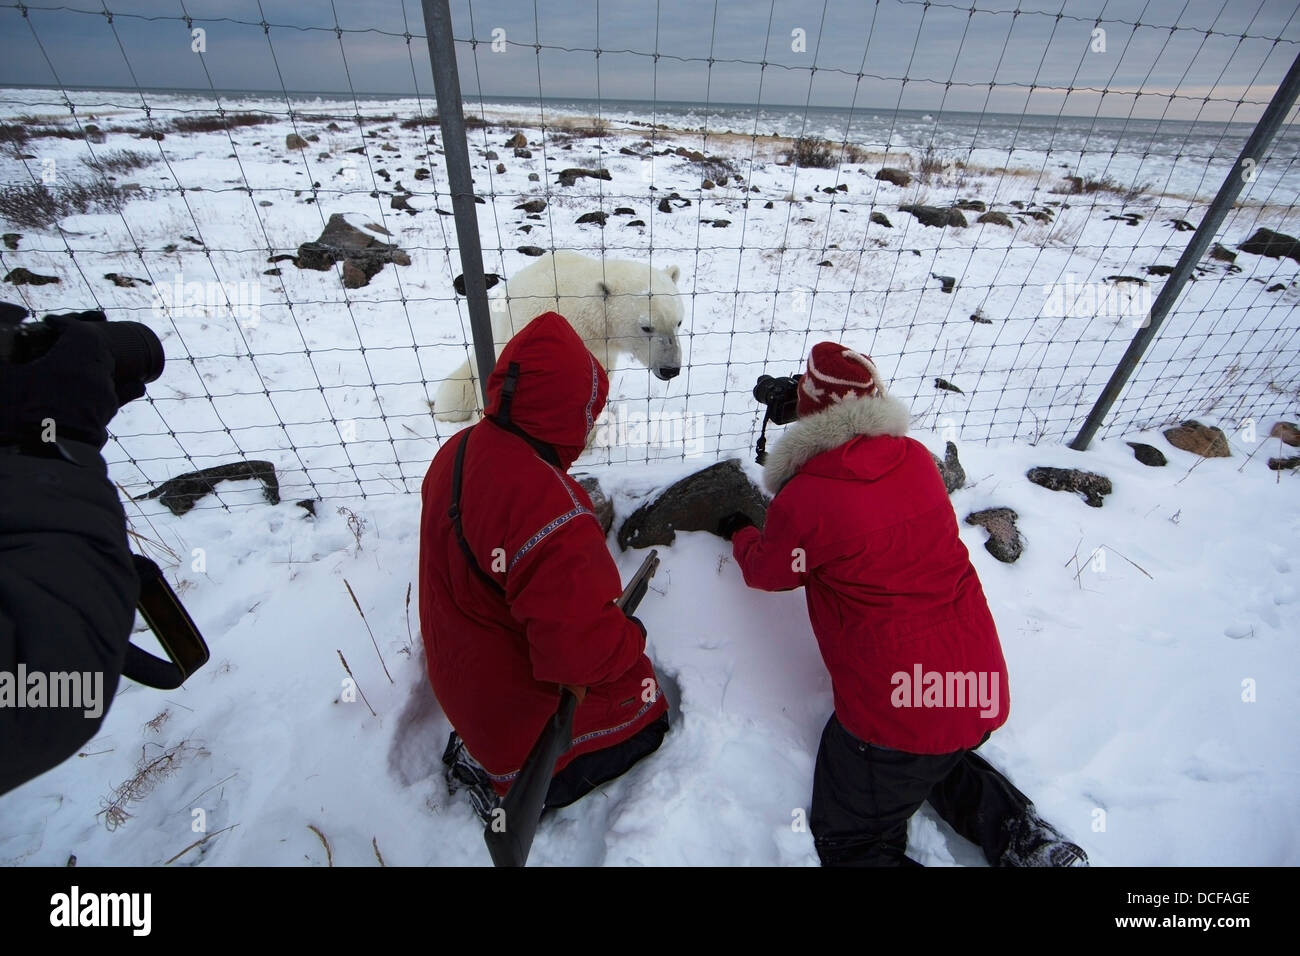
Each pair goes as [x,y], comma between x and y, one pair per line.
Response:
[137,352]
[781,397]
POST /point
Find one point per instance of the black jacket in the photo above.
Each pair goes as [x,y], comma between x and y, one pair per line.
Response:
[68,592]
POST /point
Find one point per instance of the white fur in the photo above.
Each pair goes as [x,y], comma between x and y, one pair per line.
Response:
[607,302]
[830,428]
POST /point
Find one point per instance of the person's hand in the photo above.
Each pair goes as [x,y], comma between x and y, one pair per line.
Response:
[732,523]
[69,387]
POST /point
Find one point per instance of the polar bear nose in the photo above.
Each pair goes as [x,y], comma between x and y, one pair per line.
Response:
[665,372]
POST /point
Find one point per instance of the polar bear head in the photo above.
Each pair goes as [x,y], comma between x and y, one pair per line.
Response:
[643,312]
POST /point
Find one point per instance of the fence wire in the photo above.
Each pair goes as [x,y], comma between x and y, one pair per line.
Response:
[163,163]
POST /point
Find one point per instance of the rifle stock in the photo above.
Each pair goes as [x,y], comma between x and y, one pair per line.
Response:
[509,834]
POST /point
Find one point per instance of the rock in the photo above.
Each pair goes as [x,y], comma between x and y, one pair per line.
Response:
[489,280]
[947,386]
[567,177]
[21,276]
[946,283]
[491,155]
[935,215]
[768,205]
[1134,279]
[997,219]
[124,282]
[271,272]
[294,141]
[1181,225]
[979,316]
[501,168]
[1159,270]
[972,205]
[665,206]
[824,263]
[696,503]
[954,476]
[1091,486]
[518,141]
[1005,542]
[531,250]
[899,177]
[880,219]
[1208,442]
[181,493]
[11,240]
[389,148]
[625,211]
[399,202]
[534,178]
[635,222]
[721,223]
[356,274]
[1284,464]
[1148,454]
[596,217]
[603,507]
[421,174]
[522,153]
[1276,287]
[1221,254]
[708,184]
[1287,432]
[265,202]
[532,205]
[1275,245]
[308,505]
[341,241]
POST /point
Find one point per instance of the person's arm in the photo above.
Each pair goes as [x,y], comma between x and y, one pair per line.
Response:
[564,591]
[776,558]
[68,591]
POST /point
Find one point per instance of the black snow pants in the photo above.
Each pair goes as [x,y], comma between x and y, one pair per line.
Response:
[863,796]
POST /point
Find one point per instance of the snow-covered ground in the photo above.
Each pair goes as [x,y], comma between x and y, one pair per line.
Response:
[1153,708]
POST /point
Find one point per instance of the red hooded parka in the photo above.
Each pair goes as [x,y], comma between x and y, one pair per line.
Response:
[497,656]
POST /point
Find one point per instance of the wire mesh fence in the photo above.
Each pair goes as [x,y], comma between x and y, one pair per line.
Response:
[985,197]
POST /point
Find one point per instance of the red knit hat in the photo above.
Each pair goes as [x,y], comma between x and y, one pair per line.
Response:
[834,374]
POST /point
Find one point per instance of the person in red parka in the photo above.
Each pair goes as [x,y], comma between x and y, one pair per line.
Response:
[518,591]
[861,520]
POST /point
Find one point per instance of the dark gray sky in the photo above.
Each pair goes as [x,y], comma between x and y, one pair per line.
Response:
[886,40]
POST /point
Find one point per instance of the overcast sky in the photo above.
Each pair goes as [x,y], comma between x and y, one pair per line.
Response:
[148,44]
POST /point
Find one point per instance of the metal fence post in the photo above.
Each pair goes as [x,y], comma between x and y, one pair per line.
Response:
[451,119]
[1283,99]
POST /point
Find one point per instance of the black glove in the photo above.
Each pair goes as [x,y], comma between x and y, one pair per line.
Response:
[645,635]
[71,384]
[733,523]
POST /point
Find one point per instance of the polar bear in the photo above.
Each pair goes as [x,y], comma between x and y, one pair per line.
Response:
[619,307]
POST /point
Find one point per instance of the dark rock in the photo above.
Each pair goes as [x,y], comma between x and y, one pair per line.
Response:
[696,503]
[532,205]
[1181,225]
[341,241]
[947,386]
[1159,270]
[954,475]
[389,148]
[181,493]
[978,316]
[1286,432]
[935,216]
[1206,441]
[946,283]
[501,168]
[1091,486]
[1039,215]
[721,223]
[972,205]
[768,205]
[567,177]
[399,202]
[708,184]
[880,219]
[665,206]
[1126,279]
[522,153]
[308,505]
[1275,245]
[603,507]
[625,211]
[824,263]
[197,242]
[1148,454]
[421,174]
[21,276]
[899,177]
[1276,287]
[11,240]
[1284,464]
[124,282]
[598,217]
[1221,254]
[518,141]
[491,155]
[997,219]
[271,272]
[1005,542]
[531,250]
[635,222]
[294,141]
[489,280]
[534,178]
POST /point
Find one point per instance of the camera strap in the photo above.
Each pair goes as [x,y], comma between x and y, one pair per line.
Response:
[166,616]
[453,513]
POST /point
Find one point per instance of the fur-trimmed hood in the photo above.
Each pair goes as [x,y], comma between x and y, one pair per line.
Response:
[851,418]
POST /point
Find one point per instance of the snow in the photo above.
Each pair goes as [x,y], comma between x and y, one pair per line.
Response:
[1133,726]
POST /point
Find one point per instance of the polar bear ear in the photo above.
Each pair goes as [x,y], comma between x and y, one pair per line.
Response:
[604,289]
[674,273]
